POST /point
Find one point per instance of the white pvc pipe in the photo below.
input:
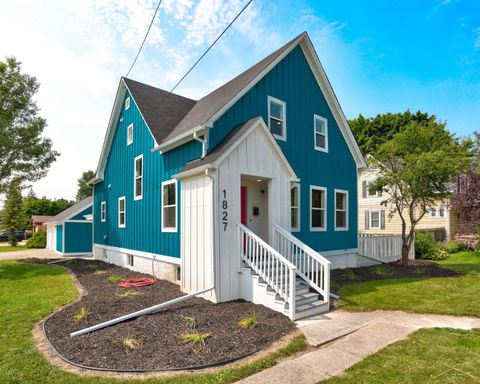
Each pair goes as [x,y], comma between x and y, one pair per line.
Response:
[138,313]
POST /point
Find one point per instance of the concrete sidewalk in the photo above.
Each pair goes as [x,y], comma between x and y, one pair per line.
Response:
[39,253]
[344,338]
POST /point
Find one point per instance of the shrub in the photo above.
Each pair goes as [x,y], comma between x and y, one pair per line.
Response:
[453,246]
[38,240]
[427,248]
[470,242]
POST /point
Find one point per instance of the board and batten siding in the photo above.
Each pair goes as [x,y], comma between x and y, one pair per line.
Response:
[293,82]
[78,237]
[142,231]
[81,215]
[59,245]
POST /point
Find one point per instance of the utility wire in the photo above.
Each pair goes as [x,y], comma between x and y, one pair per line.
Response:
[203,55]
[145,38]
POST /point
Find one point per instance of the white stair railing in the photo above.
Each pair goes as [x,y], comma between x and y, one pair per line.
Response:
[311,266]
[270,265]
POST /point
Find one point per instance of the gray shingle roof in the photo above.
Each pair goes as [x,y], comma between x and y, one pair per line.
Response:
[74,208]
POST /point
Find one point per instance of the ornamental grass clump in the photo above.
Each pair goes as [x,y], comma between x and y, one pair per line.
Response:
[114,278]
[131,342]
[249,321]
[194,339]
[129,293]
[81,314]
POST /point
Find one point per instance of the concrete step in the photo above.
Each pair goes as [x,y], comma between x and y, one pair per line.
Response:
[305,298]
[311,309]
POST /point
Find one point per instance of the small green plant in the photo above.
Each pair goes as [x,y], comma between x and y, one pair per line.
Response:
[249,321]
[71,262]
[114,278]
[420,271]
[129,293]
[92,267]
[99,272]
[196,339]
[382,271]
[38,240]
[131,342]
[349,274]
[81,314]
[191,321]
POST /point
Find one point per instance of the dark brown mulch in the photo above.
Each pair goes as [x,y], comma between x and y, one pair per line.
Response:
[417,269]
[158,335]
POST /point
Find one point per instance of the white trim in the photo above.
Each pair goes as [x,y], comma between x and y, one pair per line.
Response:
[75,253]
[347,210]
[127,103]
[370,226]
[122,198]
[298,207]
[318,229]
[129,139]
[271,99]
[180,139]
[135,177]
[147,255]
[170,229]
[337,252]
[103,211]
[324,120]
[78,221]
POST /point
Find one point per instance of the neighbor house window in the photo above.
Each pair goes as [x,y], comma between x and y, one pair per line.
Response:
[433,212]
[121,212]
[318,207]
[441,211]
[127,103]
[295,207]
[169,206]
[138,178]
[341,210]
[130,260]
[375,220]
[277,118]
[130,134]
[321,133]
[103,211]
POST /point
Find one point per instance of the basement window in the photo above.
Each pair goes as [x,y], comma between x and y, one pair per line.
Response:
[130,260]
[178,273]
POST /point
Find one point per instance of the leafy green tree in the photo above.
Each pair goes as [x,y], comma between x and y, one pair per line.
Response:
[416,168]
[12,211]
[84,189]
[24,154]
[45,206]
[372,132]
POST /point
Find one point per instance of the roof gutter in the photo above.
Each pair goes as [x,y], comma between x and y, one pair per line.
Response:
[179,140]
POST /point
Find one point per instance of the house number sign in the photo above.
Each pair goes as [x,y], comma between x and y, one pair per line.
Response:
[224,210]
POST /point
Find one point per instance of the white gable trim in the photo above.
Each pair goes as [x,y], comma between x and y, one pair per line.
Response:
[73,214]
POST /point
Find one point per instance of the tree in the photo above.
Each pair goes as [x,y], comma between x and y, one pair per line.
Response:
[45,207]
[84,189]
[12,211]
[24,154]
[372,132]
[416,169]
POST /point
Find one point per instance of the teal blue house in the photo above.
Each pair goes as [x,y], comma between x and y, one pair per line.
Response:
[70,233]
[249,192]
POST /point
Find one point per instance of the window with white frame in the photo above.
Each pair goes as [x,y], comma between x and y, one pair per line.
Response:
[138,178]
[121,212]
[169,206]
[375,220]
[277,118]
[441,211]
[130,134]
[318,208]
[321,133]
[371,192]
[433,212]
[127,103]
[295,207]
[103,211]
[341,210]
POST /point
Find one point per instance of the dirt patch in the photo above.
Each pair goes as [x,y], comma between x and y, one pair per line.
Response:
[153,342]
[417,269]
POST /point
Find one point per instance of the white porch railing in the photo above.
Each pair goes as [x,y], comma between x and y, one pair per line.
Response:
[270,265]
[383,248]
[311,266]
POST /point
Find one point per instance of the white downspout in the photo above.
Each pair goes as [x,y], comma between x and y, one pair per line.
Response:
[203,142]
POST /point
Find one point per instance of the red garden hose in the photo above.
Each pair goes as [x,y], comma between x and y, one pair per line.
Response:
[139,282]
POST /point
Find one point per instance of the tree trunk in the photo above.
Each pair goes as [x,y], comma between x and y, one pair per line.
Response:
[405,252]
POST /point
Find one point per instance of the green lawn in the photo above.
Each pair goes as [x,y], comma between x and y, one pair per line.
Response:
[30,292]
[450,296]
[436,356]
[8,248]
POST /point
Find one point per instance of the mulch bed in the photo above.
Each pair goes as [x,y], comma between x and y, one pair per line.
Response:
[158,336]
[417,269]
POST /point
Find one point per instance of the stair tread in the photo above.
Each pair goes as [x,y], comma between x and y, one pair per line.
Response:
[314,304]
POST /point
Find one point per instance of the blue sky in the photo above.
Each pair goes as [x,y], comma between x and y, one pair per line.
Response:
[381,56]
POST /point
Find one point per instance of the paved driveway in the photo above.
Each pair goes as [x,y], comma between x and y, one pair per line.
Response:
[40,253]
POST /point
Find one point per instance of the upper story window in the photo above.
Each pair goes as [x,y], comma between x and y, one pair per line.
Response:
[341,210]
[375,222]
[318,208]
[103,211]
[366,189]
[277,118]
[321,133]
[169,206]
[433,212]
[295,207]
[122,211]
[437,212]
[127,103]
[138,178]
[130,134]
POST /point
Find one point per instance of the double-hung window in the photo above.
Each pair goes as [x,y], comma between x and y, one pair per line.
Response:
[320,126]
[138,178]
[130,134]
[295,207]
[122,211]
[375,222]
[277,121]
[341,210]
[318,208]
[127,103]
[103,211]
[169,206]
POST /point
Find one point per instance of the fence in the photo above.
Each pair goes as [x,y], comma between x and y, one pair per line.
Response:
[375,248]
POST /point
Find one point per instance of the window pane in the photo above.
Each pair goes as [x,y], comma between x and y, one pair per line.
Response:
[320,126]
[320,141]
[138,167]
[169,194]
[441,212]
[318,197]
[122,218]
[294,217]
[341,217]
[276,127]
[341,200]
[138,187]
[276,110]
[294,197]
[169,217]
[375,219]
[122,205]
[318,218]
